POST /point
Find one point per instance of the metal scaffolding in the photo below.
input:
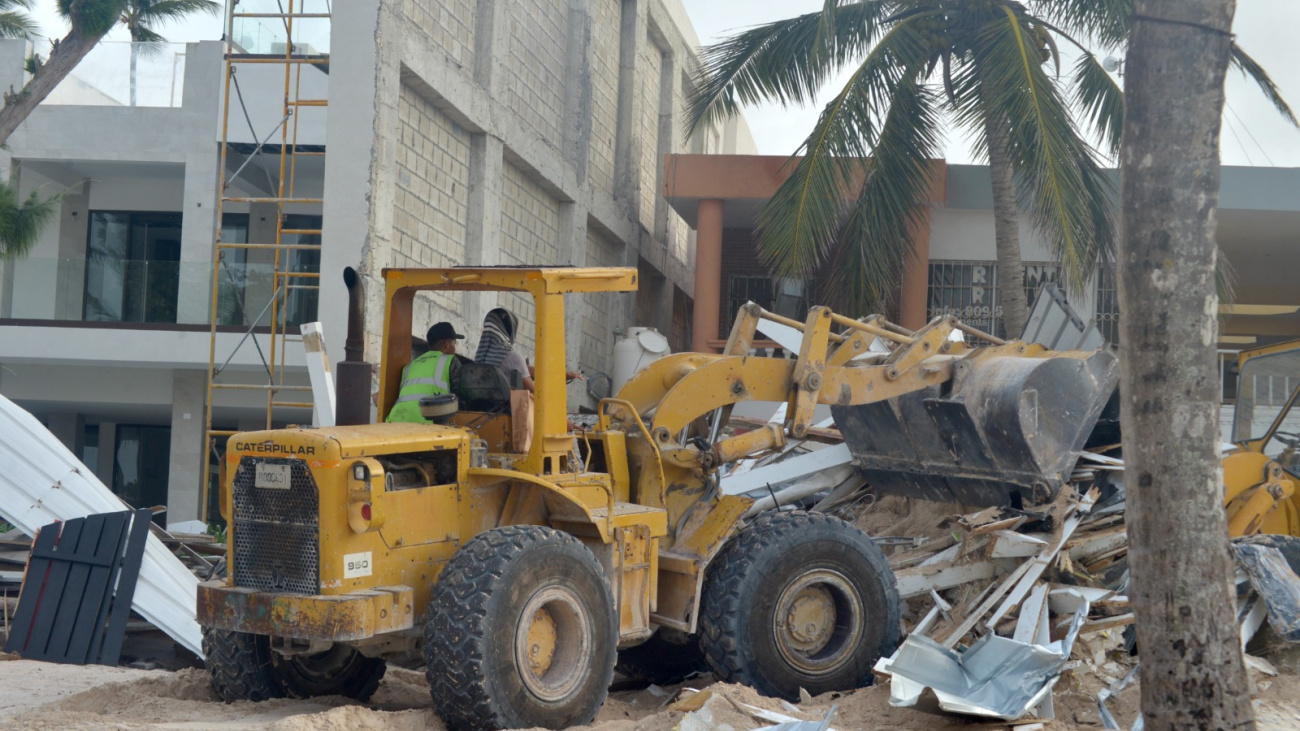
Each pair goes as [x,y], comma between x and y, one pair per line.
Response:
[275,39]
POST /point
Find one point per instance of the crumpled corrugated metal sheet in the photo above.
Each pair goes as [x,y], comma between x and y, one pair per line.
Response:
[1276,582]
[41,482]
[997,677]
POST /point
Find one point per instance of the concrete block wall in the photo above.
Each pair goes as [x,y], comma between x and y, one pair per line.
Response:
[445,24]
[550,121]
[535,78]
[606,17]
[431,201]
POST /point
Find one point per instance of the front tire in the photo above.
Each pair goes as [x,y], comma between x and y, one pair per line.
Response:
[340,670]
[798,600]
[239,666]
[522,632]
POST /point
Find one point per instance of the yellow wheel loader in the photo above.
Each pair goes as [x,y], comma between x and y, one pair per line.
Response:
[1262,476]
[518,574]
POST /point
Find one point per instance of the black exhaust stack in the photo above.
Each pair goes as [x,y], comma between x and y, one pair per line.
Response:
[353,393]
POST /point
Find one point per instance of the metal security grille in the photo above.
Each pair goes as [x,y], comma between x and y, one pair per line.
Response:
[276,532]
[1107,305]
[968,290]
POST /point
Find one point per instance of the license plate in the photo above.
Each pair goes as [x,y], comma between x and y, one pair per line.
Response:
[272,476]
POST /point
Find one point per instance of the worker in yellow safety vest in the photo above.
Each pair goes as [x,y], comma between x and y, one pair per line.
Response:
[434,373]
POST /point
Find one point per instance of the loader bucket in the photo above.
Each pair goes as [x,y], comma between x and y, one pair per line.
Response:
[1005,431]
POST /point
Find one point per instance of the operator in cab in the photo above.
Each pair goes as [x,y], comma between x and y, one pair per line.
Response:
[432,374]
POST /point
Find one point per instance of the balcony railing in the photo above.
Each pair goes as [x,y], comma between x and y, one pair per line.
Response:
[121,74]
[137,291]
[267,35]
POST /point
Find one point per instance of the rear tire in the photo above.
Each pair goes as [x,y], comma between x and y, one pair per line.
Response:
[239,666]
[522,632]
[798,600]
[340,670]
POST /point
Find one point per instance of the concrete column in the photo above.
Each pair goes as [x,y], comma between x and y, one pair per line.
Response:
[483,230]
[365,86]
[670,84]
[491,46]
[261,230]
[573,250]
[627,143]
[708,274]
[70,287]
[183,490]
[577,89]
[198,237]
[107,453]
[916,281]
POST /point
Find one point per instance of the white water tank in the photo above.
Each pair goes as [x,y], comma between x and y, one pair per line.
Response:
[640,347]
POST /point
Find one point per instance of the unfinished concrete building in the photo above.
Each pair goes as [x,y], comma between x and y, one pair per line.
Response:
[483,132]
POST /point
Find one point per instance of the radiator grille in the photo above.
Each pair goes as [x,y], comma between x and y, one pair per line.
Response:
[276,533]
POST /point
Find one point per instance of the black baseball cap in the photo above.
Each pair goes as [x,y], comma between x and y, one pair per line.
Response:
[443,331]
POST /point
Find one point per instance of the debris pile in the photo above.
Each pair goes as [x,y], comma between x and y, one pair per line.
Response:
[1004,601]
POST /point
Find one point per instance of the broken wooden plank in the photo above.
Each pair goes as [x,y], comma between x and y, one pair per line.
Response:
[1039,564]
[945,575]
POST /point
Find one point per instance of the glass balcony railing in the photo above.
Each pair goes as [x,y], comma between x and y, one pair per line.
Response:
[121,74]
[311,36]
[135,291]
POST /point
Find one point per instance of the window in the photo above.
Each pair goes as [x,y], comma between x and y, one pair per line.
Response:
[132,267]
[141,460]
[788,297]
[303,292]
[968,290]
[232,279]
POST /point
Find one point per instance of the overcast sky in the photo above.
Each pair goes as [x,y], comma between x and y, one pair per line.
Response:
[1253,134]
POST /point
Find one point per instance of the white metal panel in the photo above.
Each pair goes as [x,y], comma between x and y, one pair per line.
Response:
[42,482]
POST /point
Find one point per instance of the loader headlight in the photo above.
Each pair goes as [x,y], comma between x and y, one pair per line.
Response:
[360,472]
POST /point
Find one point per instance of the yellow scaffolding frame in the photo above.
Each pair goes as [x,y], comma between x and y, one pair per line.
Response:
[283,280]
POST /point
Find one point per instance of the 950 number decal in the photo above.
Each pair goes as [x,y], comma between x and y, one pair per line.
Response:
[356,565]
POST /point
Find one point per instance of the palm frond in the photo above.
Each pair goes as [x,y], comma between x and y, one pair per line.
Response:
[1105,22]
[1100,100]
[149,42]
[159,11]
[786,61]
[876,238]
[91,18]
[21,222]
[797,227]
[1067,192]
[1252,70]
[17,24]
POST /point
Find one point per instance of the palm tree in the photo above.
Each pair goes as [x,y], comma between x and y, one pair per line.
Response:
[980,64]
[14,20]
[141,17]
[21,221]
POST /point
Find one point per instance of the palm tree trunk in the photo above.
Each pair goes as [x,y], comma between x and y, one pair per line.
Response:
[135,58]
[1192,673]
[64,57]
[1006,231]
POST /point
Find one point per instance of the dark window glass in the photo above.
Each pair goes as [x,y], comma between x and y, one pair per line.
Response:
[132,266]
[968,290]
[302,293]
[141,460]
[232,277]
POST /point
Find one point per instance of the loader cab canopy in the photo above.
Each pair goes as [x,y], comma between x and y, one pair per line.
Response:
[546,286]
[1266,417]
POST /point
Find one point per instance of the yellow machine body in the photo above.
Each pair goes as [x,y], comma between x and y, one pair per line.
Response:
[1261,478]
